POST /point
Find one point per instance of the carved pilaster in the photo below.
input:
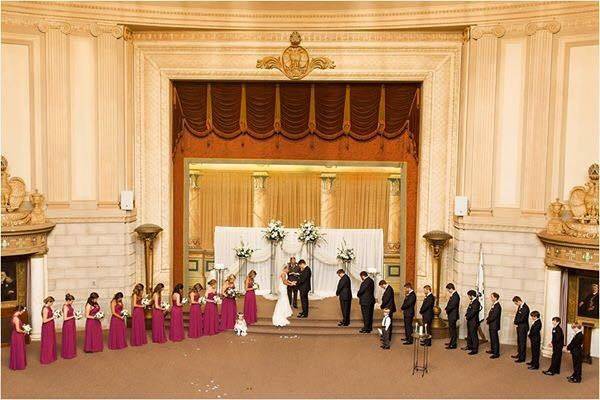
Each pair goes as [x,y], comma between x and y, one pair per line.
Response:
[537,107]
[327,200]
[194,218]
[394,208]
[111,119]
[481,117]
[58,131]
[259,199]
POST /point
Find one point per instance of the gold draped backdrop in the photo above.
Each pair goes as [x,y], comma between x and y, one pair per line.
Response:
[224,198]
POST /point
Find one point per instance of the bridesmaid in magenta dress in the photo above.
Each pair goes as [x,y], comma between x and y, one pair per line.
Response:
[117,331]
[69,329]
[210,311]
[195,328]
[158,315]
[176,331]
[229,306]
[250,309]
[93,341]
[48,346]
[18,357]
[138,319]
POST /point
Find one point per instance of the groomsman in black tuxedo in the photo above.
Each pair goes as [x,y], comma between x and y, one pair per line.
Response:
[366,296]
[493,321]
[344,292]
[522,323]
[535,338]
[388,302]
[408,309]
[452,314]
[304,287]
[558,342]
[472,317]
[426,312]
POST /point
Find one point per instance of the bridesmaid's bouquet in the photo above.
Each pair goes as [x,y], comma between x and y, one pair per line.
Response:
[202,300]
[125,313]
[57,314]
[78,314]
[146,301]
[165,305]
[255,286]
[99,315]
[27,329]
[185,300]
[232,293]
[217,299]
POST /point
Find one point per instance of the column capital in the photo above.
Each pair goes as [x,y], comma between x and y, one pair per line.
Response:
[327,182]
[195,179]
[44,26]
[477,32]
[394,182]
[259,179]
[533,27]
[97,29]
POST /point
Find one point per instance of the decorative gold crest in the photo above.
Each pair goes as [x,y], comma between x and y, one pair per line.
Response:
[295,62]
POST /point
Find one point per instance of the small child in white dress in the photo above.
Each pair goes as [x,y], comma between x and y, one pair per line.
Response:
[240,328]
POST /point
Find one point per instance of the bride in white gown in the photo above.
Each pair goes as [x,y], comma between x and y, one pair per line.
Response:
[283,310]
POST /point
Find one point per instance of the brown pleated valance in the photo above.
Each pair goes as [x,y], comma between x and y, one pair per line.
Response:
[361,111]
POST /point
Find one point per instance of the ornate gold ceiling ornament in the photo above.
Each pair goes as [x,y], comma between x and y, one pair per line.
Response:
[295,62]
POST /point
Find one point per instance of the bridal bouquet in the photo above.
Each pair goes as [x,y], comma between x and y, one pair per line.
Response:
[184,301]
[202,300]
[232,293]
[124,313]
[99,315]
[146,301]
[165,305]
[309,232]
[275,231]
[345,254]
[243,252]
[217,300]
[77,314]
[57,314]
[27,329]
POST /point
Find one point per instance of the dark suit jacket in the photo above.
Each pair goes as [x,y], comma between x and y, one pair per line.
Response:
[472,314]
[535,331]
[522,317]
[558,338]
[387,299]
[344,289]
[408,305]
[366,292]
[576,344]
[426,310]
[494,316]
[304,280]
[452,307]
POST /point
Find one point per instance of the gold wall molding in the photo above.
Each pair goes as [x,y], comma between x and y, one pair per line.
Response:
[477,32]
[45,26]
[550,26]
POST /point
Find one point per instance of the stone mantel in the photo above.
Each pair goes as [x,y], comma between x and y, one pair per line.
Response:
[568,252]
[26,239]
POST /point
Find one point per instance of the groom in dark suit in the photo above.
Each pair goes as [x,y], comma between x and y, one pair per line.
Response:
[344,292]
[304,287]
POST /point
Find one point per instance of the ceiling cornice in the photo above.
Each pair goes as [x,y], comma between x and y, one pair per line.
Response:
[346,18]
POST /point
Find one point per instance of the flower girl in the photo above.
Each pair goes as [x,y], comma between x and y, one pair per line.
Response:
[48,347]
[117,330]
[18,357]
[69,329]
[240,328]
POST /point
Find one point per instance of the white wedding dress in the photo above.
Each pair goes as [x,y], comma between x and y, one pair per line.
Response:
[283,310]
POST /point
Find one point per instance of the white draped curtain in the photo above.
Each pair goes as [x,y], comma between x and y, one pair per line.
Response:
[367,243]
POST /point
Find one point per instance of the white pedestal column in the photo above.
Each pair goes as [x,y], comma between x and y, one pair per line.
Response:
[327,201]
[259,199]
[37,293]
[552,308]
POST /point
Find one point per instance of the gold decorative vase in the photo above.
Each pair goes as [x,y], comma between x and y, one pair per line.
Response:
[437,240]
[148,232]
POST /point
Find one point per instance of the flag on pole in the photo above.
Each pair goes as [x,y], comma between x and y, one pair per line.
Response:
[480,285]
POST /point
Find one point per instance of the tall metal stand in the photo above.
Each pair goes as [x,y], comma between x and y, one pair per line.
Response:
[242,272]
[310,248]
[273,273]
[420,353]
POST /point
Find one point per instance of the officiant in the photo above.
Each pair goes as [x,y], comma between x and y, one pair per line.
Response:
[293,273]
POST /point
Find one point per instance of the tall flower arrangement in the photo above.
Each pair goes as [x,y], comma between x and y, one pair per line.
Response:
[275,232]
[345,254]
[244,251]
[309,233]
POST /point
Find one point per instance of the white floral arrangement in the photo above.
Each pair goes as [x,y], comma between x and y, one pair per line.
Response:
[125,314]
[345,254]
[77,314]
[185,300]
[99,315]
[146,301]
[217,299]
[275,231]
[202,300]
[57,314]
[232,293]
[244,251]
[309,232]
[27,329]
[165,305]
[255,286]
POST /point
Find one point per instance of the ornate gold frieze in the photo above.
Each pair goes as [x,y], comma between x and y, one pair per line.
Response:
[295,62]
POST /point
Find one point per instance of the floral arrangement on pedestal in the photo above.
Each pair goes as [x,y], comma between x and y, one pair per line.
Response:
[309,233]
[244,251]
[346,254]
[275,232]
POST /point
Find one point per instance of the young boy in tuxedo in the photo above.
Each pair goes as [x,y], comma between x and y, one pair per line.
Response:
[386,329]
[558,342]
[535,338]
[576,349]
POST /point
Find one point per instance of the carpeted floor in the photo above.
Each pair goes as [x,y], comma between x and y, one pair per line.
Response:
[225,366]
